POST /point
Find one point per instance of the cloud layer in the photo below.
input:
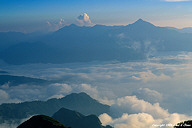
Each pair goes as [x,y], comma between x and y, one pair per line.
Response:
[135,113]
[155,91]
[141,120]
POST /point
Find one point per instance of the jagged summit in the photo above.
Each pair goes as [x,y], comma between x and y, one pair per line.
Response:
[72,25]
[140,20]
[141,23]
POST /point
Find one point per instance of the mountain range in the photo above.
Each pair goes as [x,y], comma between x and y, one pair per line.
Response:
[80,102]
[75,43]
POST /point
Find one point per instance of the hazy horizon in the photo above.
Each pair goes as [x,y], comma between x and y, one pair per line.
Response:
[31,16]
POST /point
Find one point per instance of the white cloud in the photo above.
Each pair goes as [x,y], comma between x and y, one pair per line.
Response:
[8,125]
[84,20]
[55,25]
[149,76]
[59,88]
[61,22]
[131,104]
[3,96]
[149,95]
[142,114]
[13,123]
[141,120]
[105,118]
[26,92]
[92,91]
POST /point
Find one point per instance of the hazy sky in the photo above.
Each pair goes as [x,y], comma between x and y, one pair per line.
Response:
[38,15]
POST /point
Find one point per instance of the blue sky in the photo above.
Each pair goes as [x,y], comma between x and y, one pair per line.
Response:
[34,15]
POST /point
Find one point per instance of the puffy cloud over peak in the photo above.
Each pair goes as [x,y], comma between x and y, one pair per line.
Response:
[84,20]
[84,17]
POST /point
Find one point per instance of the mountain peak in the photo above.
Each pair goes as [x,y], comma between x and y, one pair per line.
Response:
[72,25]
[140,20]
[81,94]
[67,116]
[141,23]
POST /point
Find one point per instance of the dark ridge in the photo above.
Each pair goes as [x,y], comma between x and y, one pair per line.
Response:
[41,121]
[75,119]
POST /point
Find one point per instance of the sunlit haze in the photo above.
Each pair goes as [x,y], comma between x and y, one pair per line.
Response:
[30,16]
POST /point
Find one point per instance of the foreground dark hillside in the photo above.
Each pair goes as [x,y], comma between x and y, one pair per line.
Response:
[41,121]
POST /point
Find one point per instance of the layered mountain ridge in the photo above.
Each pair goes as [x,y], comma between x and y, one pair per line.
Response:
[73,43]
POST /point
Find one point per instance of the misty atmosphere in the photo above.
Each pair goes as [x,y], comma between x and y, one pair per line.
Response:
[100,73]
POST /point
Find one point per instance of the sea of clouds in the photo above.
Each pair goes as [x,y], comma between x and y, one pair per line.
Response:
[141,94]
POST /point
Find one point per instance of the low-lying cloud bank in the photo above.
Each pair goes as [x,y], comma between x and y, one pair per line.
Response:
[145,93]
[134,113]
[142,120]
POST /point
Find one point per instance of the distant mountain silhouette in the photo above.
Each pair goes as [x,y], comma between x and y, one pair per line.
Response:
[80,102]
[41,121]
[75,119]
[182,30]
[25,52]
[98,43]
[16,80]
[10,38]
